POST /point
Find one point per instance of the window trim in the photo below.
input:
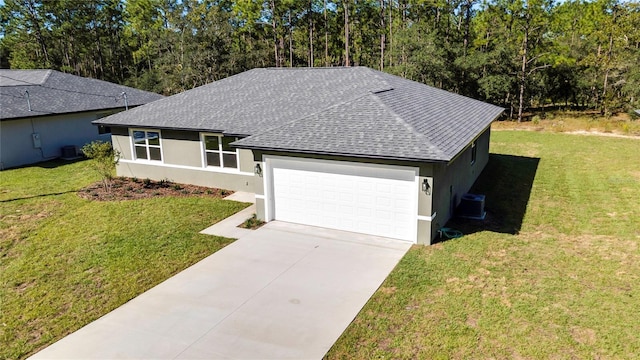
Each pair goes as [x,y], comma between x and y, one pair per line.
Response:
[220,153]
[146,146]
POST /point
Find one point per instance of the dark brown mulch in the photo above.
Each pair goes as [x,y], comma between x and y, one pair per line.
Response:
[130,189]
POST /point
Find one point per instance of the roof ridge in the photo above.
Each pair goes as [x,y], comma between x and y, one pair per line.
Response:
[303,68]
[46,77]
[376,75]
[409,127]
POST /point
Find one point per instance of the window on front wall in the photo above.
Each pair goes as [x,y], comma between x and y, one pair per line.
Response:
[219,153]
[474,152]
[146,144]
[104,129]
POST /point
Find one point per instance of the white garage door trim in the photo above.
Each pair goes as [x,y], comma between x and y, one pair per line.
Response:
[403,180]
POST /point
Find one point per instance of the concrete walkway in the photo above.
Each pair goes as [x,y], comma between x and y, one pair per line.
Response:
[283,291]
[229,226]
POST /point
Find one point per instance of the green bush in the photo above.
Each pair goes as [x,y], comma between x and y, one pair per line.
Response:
[103,159]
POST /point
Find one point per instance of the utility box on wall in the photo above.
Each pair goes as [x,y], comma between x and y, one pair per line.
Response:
[37,144]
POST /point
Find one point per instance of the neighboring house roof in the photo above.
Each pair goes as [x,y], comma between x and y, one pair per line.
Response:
[53,92]
[353,111]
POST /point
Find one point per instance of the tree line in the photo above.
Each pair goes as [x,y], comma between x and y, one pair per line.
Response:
[517,54]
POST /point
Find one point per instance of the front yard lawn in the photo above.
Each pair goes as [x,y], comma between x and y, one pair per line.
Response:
[65,260]
[565,285]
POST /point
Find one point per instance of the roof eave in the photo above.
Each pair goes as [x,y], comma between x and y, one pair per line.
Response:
[453,158]
[173,128]
[64,113]
[339,153]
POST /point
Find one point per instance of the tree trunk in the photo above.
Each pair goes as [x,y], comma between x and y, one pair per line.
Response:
[523,74]
[290,42]
[310,33]
[467,23]
[326,36]
[346,33]
[606,71]
[36,24]
[390,11]
[275,33]
[404,26]
[382,35]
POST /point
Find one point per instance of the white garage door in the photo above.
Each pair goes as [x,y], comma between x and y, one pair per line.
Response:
[364,198]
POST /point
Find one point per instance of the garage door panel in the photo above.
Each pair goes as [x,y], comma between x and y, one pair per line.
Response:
[346,196]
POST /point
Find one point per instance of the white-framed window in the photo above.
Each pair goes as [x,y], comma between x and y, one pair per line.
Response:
[146,145]
[218,152]
[474,152]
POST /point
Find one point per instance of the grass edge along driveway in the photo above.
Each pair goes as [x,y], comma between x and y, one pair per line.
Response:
[564,285]
[65,261]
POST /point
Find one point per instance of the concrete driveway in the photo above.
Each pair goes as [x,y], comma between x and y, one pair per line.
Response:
[282,291]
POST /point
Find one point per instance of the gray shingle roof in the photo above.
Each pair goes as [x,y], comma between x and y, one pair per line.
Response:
[352,111]
[253,101]
[52,92]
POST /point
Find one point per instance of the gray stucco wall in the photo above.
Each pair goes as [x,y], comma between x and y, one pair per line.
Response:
[182,162]
[16,142]
[455,179]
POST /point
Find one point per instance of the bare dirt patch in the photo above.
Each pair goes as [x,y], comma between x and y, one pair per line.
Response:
[130,189]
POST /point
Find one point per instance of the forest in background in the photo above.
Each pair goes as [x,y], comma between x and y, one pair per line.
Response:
[519,54]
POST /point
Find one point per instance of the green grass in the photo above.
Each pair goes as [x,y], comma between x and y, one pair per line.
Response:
[564,283]
[65,261]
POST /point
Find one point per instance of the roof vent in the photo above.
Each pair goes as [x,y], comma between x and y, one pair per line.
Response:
[26,93]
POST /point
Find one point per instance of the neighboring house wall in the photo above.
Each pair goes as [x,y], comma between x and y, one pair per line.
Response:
[17,146]
[455,179]
[182,162]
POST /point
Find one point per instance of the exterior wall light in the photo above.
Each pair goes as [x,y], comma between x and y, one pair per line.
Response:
[258,170]
[426,188]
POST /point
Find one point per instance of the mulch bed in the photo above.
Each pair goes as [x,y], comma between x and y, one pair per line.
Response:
[130,189]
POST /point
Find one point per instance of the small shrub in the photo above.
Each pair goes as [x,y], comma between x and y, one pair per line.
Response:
[252,223]
[103,159]
[558,126]
[536,120]
[177,187]
[224,192]
[147,183]
[626,128]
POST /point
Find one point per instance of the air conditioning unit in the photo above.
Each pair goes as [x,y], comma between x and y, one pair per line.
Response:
[472,207]
[69,152]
